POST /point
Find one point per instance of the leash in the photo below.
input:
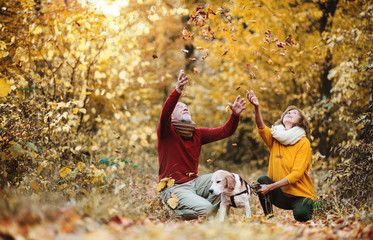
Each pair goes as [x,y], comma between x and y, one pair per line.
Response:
[255,187]
[267,201]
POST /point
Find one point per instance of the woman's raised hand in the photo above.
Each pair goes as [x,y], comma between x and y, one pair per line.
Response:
[181,81]
[252,98]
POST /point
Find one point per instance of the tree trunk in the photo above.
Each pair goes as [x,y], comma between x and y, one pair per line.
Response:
[326,22]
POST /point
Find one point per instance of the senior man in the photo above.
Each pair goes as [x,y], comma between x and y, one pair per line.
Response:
[179,146]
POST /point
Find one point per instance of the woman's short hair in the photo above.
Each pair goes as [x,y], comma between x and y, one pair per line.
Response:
[303,122]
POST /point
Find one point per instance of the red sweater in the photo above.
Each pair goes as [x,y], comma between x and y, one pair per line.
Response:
[178,158]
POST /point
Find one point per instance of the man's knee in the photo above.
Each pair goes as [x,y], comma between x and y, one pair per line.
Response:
[264,180]
[204,209]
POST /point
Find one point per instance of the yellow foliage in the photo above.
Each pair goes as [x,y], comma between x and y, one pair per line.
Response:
[4,88]
[64,171]
[35,185]
[80,166]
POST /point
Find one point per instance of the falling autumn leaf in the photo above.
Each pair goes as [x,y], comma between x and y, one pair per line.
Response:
[238,88]
[308,86]
[170,182]
[313,66]
[155,56]
[211,32]
[289,41]
[205,56]
[234,144]
[320,155]
[209,10]
[184,50]
[195,70]
[229,18]
[209,160]
[173,201]
[225,51]
[199,18]
[205,34]
[186,33]
[165,182]
[253,76]
[280,44]
[190,174]
[161,185]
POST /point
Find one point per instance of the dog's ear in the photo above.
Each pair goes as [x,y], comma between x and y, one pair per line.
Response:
[231,182]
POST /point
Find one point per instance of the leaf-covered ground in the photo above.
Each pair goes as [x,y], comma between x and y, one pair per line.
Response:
[34,222]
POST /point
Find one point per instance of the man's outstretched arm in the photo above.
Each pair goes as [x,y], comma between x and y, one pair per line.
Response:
[215,134]
[169,105]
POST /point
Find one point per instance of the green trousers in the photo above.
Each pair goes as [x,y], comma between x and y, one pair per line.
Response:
[194,198]
[302,206]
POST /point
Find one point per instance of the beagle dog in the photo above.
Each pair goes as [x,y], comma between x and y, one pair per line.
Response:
[233,190]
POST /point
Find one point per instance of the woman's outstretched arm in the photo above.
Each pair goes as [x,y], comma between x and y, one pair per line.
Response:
[255,102]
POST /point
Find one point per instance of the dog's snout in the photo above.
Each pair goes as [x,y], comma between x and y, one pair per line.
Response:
[211,190]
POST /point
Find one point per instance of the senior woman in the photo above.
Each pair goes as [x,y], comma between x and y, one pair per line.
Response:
[288,184]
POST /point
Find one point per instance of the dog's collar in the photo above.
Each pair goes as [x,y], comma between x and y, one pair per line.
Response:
[233,203]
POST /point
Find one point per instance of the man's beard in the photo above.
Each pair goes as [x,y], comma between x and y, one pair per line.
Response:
[186,118]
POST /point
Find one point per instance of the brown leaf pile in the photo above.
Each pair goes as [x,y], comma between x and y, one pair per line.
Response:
[69,223]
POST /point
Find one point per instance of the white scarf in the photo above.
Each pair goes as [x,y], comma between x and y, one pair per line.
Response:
[287,137]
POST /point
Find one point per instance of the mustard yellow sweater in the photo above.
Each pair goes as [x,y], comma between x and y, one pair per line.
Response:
[291,162]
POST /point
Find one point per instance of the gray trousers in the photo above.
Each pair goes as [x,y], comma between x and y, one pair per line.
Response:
[194,198]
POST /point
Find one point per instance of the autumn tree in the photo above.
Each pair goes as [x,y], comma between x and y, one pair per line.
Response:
[82,87]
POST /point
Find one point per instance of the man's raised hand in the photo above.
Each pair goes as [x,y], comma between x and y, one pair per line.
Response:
[238,106]
[181,81]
